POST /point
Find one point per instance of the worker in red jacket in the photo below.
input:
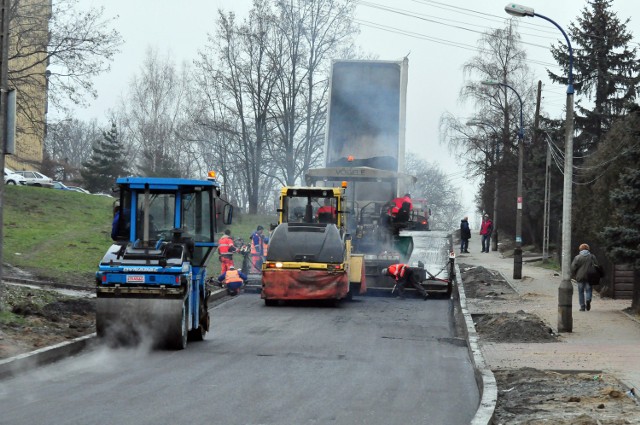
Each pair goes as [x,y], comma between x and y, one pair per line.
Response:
[226,248]
[400,209]
[327,212]
[403,275]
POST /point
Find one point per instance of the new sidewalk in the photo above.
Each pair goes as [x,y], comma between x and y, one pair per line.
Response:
[603,339]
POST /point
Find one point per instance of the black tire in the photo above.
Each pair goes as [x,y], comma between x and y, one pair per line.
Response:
[270,303]
[199,333]
[11,182]
[178,339]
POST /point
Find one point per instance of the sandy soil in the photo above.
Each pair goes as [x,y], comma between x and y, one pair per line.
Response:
[532,396]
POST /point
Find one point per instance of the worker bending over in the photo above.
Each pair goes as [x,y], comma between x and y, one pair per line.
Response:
[403,275]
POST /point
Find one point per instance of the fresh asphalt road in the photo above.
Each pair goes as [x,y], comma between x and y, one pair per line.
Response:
[372,361]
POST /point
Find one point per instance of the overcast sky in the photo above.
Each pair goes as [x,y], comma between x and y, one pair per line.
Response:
[439,36]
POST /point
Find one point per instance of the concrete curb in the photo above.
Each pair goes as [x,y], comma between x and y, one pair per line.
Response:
[484,376]
[22,362]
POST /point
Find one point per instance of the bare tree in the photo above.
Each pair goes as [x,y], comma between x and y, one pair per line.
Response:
[310,34]
[490,149]
[433,184]
[75,46]
[153,111]
[68,144]
[237,73]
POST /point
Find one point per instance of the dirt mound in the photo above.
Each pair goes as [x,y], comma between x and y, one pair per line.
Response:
[484,283]
[531,396]
[519,327]
[36,318]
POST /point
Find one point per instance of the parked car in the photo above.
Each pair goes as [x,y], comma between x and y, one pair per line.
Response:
[35,178]
[60,185]
[79,189]
[10,177]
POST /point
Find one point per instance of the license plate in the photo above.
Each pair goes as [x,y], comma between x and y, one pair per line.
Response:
[135,279]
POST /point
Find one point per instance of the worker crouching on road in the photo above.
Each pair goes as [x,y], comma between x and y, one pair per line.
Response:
[233,280]
[226,248]
[403,275]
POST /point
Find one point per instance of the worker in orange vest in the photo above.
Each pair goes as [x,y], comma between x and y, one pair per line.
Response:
[257,249]
[233,280]
[403,275]
[226,248]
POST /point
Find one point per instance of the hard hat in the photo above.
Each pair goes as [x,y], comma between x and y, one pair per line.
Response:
[232,267]
[384,271]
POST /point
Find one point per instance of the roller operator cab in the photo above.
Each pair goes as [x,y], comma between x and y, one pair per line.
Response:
[309,255]
[151,282]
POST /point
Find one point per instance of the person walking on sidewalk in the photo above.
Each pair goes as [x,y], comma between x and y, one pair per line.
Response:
[583,268]
[465,235]
[485,231]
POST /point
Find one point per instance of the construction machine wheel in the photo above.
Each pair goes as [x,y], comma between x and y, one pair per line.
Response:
[270,303]
[178,334]
[199,333]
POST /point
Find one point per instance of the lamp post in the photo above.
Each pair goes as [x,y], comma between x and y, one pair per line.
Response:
[565,291]
[517,252]
[494,236]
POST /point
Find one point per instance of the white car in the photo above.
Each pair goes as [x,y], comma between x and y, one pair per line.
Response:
[35,178]
[11,177]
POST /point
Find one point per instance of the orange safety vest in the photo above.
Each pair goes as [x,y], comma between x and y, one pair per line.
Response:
[396,270]
[232,276]
[224,245]
[254,248]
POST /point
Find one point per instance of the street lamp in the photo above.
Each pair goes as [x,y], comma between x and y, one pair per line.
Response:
[494,236]
[517,252]
[565,291]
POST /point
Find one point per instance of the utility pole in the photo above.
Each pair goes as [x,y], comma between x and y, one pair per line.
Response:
[547,204]
[4,92]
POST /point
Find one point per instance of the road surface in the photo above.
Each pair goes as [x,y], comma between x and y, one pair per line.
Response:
[372,361]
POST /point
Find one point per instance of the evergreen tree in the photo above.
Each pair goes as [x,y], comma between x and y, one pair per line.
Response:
[106,164]
[605,71]
[622,238]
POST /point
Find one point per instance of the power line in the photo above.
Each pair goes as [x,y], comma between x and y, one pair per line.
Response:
[420,36]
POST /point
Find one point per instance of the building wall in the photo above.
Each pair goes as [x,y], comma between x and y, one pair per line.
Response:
[28,63]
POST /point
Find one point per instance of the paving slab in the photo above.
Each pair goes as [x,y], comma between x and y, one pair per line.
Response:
[603,339]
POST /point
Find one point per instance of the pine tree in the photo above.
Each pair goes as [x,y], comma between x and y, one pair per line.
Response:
[606,70]
[106,164]
[607,212]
